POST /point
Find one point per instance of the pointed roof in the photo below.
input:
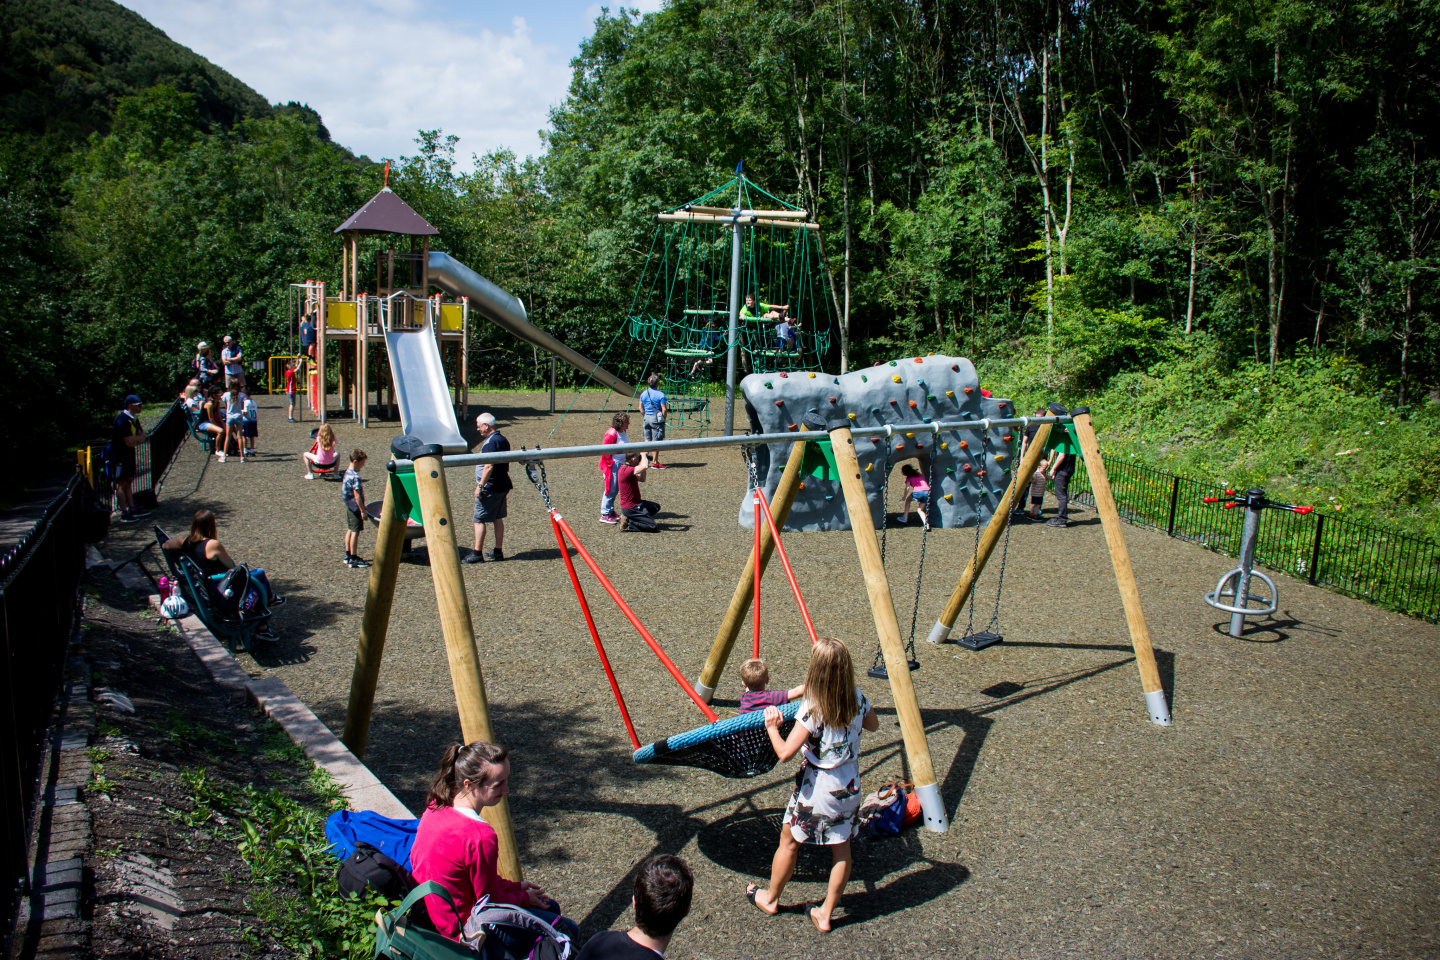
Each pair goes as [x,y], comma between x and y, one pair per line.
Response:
[387,213]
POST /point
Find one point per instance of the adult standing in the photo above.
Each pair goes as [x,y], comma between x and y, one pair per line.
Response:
[655,409]
[125,436]
[492,486]
[233,359]
[1064,453]
[205,369]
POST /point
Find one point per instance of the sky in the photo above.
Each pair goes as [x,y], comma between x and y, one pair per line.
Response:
[378,72]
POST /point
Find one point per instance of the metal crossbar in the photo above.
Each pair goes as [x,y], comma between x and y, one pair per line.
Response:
[524,455]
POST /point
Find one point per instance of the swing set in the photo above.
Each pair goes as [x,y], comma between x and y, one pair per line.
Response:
[739,746]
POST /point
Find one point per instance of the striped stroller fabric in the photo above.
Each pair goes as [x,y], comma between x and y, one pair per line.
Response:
[737,747]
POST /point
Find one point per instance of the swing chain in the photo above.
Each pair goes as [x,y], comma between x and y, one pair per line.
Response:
[535,470]
[885,493]
[1000,579]
[924,537]
[748,457]
[975,557]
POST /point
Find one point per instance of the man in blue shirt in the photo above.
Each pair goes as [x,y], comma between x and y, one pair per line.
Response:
[492,486]
[654,407]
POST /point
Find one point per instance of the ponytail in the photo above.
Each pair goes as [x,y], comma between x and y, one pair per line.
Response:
[462,762]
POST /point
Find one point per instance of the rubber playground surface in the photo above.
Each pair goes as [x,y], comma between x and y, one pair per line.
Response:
[1290,811]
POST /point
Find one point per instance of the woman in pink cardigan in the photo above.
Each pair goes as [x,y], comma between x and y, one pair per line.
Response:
[455,847]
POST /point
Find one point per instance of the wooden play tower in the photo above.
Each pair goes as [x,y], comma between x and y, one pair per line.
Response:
[350,321]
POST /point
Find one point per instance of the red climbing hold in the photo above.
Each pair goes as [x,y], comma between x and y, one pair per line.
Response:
[779,403]
[832,399]
[784,374]
[793,426]
[968,468]
[894,403]
[955,367]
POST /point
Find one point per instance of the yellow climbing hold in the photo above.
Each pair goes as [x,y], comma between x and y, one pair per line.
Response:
[895,377]
[950,394]
[944,446]
[869,467]
[909,434]
[812,376]
[851,416]
[999,457]
[949,496]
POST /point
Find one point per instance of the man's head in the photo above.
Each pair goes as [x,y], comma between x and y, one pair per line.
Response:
[132,404]
[653,380]
[754,674]
[485,423]
[663,888]
[227,340]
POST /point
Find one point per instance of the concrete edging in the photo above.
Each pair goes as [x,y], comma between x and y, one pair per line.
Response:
[361,787]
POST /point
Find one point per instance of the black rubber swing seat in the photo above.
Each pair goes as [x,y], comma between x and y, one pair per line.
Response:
[736,747]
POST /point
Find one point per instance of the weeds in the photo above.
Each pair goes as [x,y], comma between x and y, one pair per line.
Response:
[97,754]
[99,782]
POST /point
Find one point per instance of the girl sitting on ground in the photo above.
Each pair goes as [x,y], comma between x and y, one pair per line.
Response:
[203,546]
[456,848]
[824,805]
[918,490]
[322,452]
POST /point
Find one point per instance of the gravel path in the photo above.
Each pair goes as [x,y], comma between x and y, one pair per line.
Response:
[1289,812]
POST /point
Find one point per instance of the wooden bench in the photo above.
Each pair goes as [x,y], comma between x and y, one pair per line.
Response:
[234,632]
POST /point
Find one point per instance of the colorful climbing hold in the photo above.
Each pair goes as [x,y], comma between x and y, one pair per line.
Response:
[949,496]
[793,426]
[968,468]
[896,378]
[892,363]
[851,416]
[949,471]
[930,397]
[802,486]
[919,360]
[869,467]
[980,474]
[999,458]
[950,394]
[919,381]
[864,379]
[894,403]
[964,444]
[783,375]
[899,446]
[812,376]
[969,389]
[914,405]
[769,385]
[944,446]
[955,367]
[911,435]
[779,403]
[832,399]
[1008,437]
[919,445]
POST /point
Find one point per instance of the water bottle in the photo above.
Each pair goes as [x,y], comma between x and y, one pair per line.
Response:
[164,588]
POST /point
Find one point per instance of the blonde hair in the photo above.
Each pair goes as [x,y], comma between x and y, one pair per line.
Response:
[190,391]
[754,674]
[326,436]
[830,683]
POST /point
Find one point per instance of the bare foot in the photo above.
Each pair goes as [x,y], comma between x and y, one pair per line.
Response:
[813,912]
[753,893]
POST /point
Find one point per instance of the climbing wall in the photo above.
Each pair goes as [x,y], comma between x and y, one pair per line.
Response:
[971,467]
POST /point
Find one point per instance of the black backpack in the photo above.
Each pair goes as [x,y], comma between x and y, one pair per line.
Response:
[369,869]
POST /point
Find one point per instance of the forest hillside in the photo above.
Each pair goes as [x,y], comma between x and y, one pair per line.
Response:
[1214,222]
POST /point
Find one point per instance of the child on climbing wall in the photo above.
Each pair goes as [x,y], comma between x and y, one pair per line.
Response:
[918,490]
[755,675]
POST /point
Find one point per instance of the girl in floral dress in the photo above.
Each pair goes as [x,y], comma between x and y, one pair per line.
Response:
[824,806]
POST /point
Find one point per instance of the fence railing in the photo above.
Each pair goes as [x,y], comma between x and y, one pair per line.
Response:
[1364,560]
[39,579]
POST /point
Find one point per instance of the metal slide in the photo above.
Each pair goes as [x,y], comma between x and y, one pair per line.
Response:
[506,311]
[420,388]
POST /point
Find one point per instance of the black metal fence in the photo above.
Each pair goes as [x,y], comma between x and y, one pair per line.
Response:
[1364,560]
[39,579]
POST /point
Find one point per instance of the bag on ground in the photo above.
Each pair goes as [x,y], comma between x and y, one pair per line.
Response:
[367,869]
[399,937]
[882,813]
[520,925]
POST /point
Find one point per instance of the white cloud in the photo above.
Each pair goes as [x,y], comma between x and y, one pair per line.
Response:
[376,72]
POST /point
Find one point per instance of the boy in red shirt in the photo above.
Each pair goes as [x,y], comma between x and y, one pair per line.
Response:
[639,514]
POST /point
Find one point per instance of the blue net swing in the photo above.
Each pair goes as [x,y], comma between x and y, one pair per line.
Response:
[736,747]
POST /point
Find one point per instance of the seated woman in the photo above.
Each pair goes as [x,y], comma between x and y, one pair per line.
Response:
[190,398]
[212,416]
[203,547]
[456,848]
[918,490]
[322,452]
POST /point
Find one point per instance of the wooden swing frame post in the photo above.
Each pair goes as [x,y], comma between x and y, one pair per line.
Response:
[375,623]
[1124,572]
[998,522]
[729,630]
[887,626]
[465,675]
